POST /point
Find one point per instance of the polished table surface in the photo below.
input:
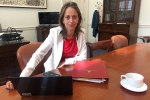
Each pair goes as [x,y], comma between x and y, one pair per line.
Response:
[133,58]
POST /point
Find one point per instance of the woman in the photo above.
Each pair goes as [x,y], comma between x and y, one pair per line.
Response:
[68,43]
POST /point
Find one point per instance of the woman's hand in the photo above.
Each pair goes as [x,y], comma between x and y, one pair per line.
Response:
[9,85]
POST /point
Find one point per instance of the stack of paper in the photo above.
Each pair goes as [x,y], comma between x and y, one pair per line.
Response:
[90,80]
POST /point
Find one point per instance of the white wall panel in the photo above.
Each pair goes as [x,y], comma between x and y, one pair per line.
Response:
[91,10]
[26,18]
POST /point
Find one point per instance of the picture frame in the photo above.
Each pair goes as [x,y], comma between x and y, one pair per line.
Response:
[24,3]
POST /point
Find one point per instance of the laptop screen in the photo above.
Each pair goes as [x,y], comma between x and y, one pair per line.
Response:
[37,86]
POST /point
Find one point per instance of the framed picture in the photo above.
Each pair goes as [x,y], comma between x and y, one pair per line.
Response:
[24,3]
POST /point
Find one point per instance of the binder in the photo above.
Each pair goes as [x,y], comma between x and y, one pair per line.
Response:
[90,71]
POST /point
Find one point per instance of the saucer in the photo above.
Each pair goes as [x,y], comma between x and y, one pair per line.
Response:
[140,89]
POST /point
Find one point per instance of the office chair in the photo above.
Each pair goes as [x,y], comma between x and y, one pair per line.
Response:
[24,54]
[104,44]
[119,41]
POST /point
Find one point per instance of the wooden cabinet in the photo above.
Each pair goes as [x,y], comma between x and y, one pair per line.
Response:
[119,11]
[118,15]
[43,32]
[106,31]
[9,65]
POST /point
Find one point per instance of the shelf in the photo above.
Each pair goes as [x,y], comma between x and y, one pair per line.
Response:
[118,10]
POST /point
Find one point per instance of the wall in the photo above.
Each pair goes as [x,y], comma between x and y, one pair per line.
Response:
[134,28]
[144,19]
[91,9]
[143,26]
[26,19]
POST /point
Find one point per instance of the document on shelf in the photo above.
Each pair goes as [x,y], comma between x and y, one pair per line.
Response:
[121,23]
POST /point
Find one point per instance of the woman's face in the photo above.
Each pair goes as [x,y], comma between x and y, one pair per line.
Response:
[70,19]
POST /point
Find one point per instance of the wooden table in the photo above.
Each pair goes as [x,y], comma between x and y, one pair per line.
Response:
[134,58]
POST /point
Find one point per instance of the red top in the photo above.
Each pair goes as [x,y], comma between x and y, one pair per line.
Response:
[70,48]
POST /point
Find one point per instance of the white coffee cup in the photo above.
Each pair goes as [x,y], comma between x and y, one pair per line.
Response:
[133,79]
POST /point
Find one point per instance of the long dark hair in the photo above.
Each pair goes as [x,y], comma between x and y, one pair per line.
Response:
[61,17]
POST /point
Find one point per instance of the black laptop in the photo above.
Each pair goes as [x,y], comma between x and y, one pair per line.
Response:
[43,86]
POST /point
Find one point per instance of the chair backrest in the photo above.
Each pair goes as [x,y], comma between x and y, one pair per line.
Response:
[119,41]
[24,54]
[104,44]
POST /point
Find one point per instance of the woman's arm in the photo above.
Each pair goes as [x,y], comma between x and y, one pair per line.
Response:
[38,56]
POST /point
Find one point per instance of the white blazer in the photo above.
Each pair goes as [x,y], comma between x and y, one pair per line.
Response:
[55,41]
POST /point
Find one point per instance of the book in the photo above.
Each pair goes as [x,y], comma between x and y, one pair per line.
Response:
[121,23]
[90,71]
